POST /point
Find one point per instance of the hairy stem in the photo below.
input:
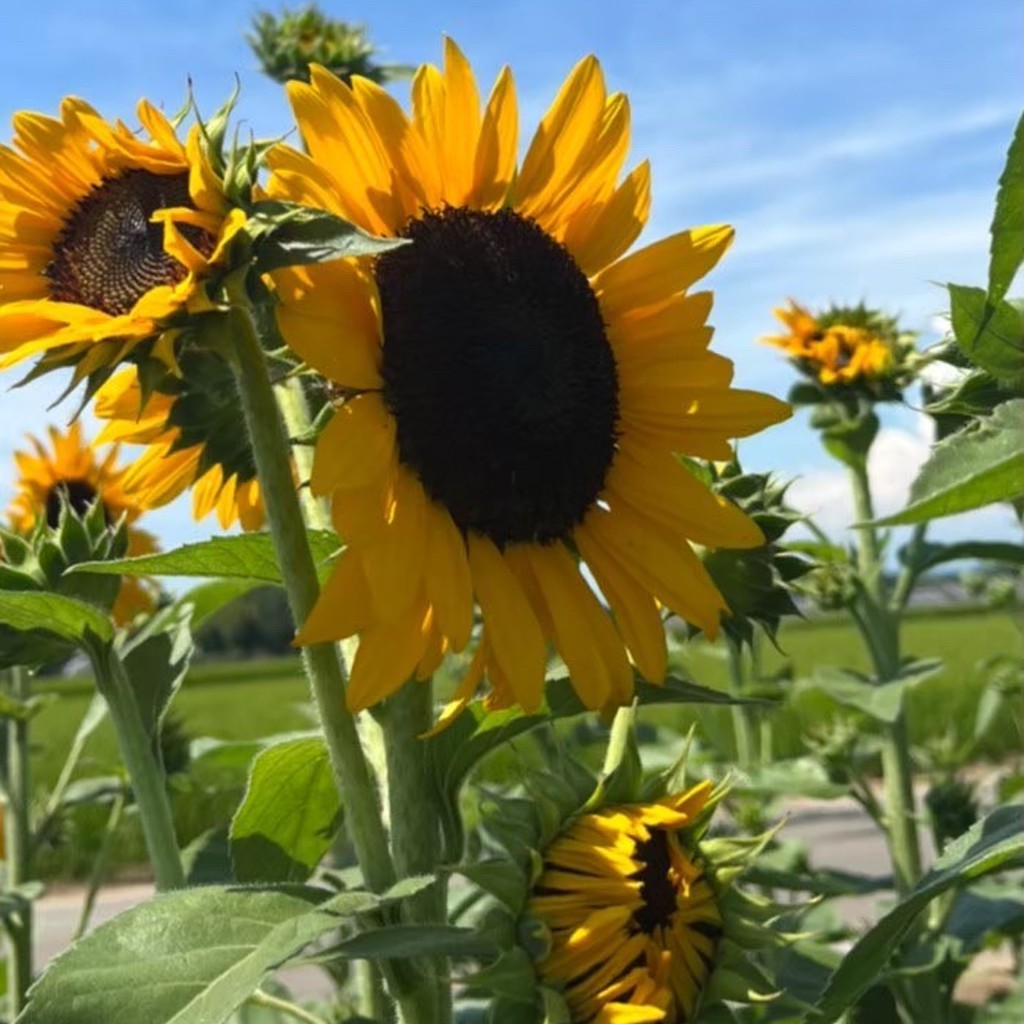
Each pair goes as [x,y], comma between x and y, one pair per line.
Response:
[743,727]
[149,782]
[881,627]
[99,864]
[18,857]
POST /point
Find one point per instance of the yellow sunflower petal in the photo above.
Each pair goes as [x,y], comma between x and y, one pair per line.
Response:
[343,607]
[514,638]
[448,580]
[387,657]
[495,164]
[356,447]
[662,269]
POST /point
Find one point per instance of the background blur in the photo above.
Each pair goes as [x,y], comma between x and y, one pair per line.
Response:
[855,147]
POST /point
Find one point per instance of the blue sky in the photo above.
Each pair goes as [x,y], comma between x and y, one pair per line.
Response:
[854,146]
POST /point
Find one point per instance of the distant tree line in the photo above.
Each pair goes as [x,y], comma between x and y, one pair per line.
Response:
[254,625]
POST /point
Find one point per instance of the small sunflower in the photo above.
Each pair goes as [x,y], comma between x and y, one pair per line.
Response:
[517,390]
[104,236]
[840,346]
[632,912]
[168,467]
[70,471]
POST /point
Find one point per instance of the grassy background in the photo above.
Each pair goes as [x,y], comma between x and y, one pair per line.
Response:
[248,700]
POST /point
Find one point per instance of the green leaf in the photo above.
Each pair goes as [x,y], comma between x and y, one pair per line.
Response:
[289,235]
[932,555]
[208,598]
[984,910]
[402,941]
[992,844]
[156,666]
[503,879]
[977,466]
[248,556]
[802,776]
[64,617]
[188,957]
[992,337]
[1007,249]
[882,701]
[288,816]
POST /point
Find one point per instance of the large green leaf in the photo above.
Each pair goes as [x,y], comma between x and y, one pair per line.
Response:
[881,701]
[288,816]
[408,941]
[931,555]
[248,556]
[977,466]
[992,844]
[188,957]
[1007,250]
[64,617]
[289,235]
[992,337]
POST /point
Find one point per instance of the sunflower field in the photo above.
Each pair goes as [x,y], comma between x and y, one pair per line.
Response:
[444,403]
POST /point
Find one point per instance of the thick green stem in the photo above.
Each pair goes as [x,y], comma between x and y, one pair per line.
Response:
[322,663]
[881,627]
[415,820]
[149,782]
[323,666]
[743,729]
[295,411]
[18,836]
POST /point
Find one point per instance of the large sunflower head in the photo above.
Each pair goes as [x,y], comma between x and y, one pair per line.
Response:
[183,448]
[515,390]
[72,473]
[106,236]
[846,348]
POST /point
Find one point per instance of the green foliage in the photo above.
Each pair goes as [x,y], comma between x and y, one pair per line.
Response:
[195,955]
[248,556]
[982,464]
[996,843]
[992,338]
[289,235]
[289,815]
[1007,249]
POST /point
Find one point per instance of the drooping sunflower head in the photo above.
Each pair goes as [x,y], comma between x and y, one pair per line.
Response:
[72,474]
[516,390]
[106,237]
[846,348]
[632,913]
[192,440]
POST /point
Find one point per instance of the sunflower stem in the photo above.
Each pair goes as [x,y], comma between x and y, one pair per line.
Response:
[321,661]
[149,782]
[743,728]
[881,628]
[291,400]
[414,816]
[18,856]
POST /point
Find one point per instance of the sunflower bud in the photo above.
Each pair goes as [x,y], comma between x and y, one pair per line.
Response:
[846,352]
[288,44]
[631,912]
[952,807]
[757,583]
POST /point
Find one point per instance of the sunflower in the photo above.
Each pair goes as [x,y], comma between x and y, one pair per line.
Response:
[517,390]
[168,467]
[70,471]
[830,350]
[104,236]
[633,917]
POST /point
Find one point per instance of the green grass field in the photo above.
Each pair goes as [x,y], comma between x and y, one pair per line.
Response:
[249,700]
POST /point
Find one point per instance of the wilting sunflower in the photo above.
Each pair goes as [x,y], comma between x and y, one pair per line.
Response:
[71,471]
[168,467]
[104,236]
[517,390]
[633,916]
[832,351]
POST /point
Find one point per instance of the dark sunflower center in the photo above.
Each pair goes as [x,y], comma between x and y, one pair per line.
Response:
[656,887]
[498,372]
[76,493]
[109,254]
